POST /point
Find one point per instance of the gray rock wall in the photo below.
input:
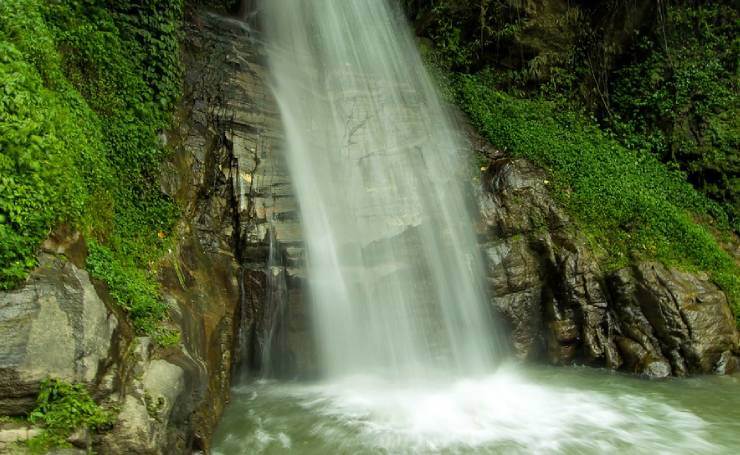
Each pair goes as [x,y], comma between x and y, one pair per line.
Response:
[240,194]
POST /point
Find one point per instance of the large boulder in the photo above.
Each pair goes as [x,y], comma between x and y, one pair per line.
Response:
[543,280]
[689,316]
[55,325]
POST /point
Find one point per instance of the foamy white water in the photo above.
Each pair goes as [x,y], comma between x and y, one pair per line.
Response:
[542,410]
[498,411]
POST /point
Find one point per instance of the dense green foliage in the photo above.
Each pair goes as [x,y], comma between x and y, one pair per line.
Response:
[48,163]
[134,289]
[62,408]
[677,96]
[662,76]
[87,86]
[227,6]
[625,105]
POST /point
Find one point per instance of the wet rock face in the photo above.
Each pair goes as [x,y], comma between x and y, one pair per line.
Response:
[236,280]
[231,173]
[690,317]
[545,283]
[55,325]
[559,305]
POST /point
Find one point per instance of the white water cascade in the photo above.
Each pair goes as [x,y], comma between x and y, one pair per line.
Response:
[393,265]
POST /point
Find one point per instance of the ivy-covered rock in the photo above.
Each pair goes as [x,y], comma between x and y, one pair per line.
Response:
[630,207]
[87,86]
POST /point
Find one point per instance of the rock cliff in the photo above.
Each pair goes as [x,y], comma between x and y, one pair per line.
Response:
[559,305]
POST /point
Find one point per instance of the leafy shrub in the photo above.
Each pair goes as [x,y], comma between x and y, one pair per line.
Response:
[63,408]
[226,6]
[49,166]
[678,98]
[134,289]
[661,75]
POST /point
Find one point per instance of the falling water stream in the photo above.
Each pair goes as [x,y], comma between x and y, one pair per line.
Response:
[276,301]
[392,261]
[408,351]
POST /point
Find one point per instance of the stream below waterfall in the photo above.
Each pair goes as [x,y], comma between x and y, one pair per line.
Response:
[516,410]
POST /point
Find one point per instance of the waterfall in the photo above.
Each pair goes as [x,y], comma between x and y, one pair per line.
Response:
[394,272]
[405,340]
[275,309]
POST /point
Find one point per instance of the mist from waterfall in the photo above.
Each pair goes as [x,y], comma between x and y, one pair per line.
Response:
[394,269]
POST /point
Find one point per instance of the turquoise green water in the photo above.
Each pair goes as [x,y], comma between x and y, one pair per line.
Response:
[517,410]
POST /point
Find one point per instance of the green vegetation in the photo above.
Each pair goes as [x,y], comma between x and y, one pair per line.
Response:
[627,201]
[87,86]
[134,289]
[226,6]
[63,408]
[662,76]
[632,110]
[677,97]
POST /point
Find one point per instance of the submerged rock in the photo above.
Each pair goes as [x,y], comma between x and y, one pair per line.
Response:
[559,305]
